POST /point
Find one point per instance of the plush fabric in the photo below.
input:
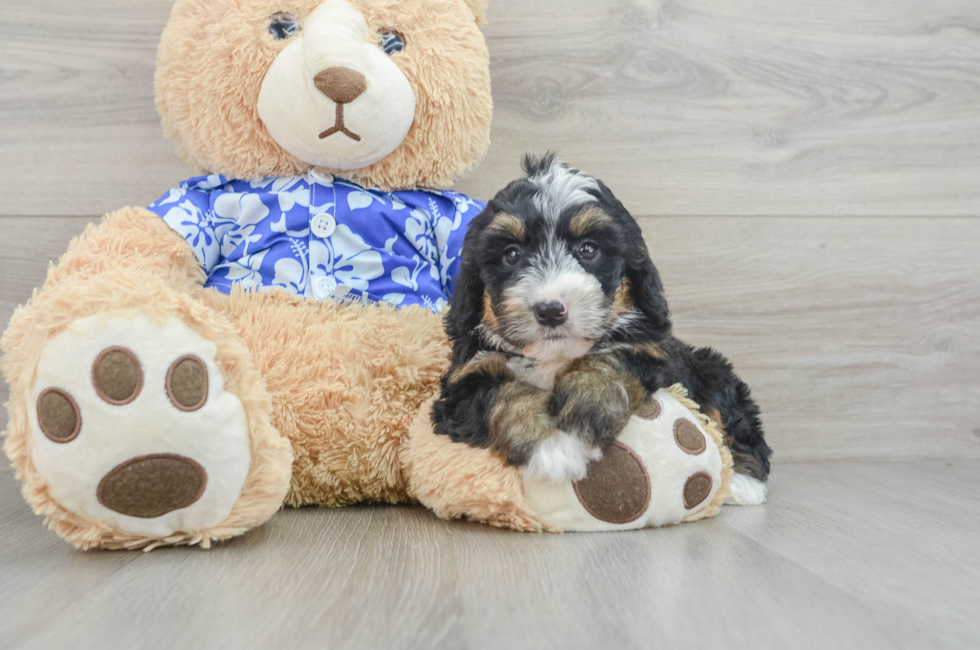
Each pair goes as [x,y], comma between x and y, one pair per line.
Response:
[321,238]
[457,481]
[346,382]
[214,56]
[682,486]
[214,437]
[364,106]
[181,374]
[131,265]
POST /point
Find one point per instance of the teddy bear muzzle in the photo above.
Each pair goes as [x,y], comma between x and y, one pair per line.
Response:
[332,97]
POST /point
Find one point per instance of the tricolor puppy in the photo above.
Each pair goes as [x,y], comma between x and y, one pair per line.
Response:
[560,331]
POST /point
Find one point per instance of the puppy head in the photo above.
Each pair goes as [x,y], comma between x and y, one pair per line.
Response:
[556,265]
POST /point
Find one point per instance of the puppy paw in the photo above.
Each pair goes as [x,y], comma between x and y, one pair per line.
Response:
[747,491]
[560,458]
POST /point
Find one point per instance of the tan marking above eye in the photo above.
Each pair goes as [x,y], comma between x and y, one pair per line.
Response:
[696,489]
[508,224]
[117,376]
[187,383]
[589,220]
[688,437]
[58,416]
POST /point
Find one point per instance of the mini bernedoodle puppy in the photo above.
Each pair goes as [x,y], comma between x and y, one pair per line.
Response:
[560,330]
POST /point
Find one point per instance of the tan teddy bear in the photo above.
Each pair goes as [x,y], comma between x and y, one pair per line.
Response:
[269,333]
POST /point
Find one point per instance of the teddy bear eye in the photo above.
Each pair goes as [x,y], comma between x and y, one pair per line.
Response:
[391,42]
[284,25]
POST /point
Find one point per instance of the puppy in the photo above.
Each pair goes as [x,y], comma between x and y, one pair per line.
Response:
[561,331]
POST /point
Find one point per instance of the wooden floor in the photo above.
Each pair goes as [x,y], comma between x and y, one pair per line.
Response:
[807,176]
[847,554]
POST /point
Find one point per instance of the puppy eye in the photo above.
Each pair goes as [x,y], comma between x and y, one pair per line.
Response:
[391,42]
[284,25]
[588,251]
[512,255]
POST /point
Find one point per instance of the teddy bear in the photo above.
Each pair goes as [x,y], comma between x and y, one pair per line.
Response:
[269,333]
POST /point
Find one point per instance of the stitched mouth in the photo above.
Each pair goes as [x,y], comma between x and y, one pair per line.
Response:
[339,127]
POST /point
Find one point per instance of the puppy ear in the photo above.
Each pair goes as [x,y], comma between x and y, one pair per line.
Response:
[466,303]
[647,291]
[479,9]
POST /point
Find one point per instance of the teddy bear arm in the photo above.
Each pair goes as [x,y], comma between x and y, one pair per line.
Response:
[134,239]
[132,251]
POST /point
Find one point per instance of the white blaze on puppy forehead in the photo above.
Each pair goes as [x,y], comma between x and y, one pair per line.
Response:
[561,188]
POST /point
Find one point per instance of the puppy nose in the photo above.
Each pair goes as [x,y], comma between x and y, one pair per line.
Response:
[341,85]
[551,313]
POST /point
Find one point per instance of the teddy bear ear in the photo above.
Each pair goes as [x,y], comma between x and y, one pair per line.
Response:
[479,9]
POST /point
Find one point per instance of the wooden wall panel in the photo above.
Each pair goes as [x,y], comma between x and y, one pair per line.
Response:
[859,337]
[687,107]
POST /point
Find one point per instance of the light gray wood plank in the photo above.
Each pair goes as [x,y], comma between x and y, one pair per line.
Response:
[847,522]
[704,586]
[685,107]
[78,125]
[36,242]
[354,578]
[760,107]
[859,337]
[830,561]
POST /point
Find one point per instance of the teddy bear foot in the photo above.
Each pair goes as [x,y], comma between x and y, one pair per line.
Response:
[665,468]
[132,426]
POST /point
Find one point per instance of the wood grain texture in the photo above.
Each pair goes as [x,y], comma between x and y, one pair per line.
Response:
[859,337]
[685,107]
[842,556]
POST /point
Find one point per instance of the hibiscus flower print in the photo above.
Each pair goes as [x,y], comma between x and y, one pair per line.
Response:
[347,258]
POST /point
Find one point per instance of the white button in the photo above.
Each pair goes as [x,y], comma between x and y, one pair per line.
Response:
[319,177]
[325,287]
[323,225]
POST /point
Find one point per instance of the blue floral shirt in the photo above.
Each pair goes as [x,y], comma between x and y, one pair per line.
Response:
[322,237]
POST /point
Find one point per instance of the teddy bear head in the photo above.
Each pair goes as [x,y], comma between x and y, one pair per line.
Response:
[391,94]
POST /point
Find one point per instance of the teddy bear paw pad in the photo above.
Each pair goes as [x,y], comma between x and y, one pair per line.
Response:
[617,488]
[133,426]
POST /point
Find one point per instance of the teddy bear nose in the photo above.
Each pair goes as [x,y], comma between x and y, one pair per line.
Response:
[341,85]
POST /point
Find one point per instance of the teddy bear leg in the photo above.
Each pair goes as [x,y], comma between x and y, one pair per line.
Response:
[136,418]
[668,466]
